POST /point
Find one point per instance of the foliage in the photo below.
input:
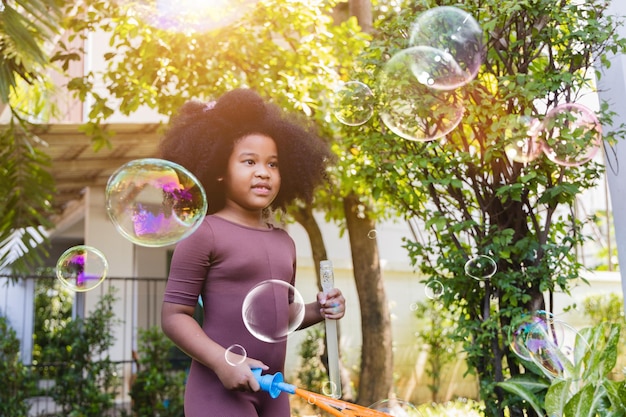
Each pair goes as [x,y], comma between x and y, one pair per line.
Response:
[609,308]
[436,337]
[86,382]
[26,189]
[466,192]
[588,392]
[26,26]
[460,407]
[14,375]
[53,312]
[157,389]
[312,374]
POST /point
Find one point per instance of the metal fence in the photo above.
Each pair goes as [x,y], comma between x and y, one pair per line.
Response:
[137,306]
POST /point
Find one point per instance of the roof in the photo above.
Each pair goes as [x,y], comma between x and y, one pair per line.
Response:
[76,165]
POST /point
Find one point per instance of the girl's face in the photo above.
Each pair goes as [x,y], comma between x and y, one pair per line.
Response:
[252,177]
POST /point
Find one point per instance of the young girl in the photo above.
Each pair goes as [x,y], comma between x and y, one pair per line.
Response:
[250,159]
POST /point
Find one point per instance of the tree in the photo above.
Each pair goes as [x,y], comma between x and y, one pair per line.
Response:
[473,197]
[25,29]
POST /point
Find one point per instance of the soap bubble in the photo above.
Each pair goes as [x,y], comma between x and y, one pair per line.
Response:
[481,267]
[235,355]
[272,310]
[154,202]
[410,108]
[521,142]
[434,289]
[82,268]
[521,327]
[353,103]
[329,389]
[435,68]
[187,16]
[396,408]
[372,234]
[550,344]
[571,134]
[458,36]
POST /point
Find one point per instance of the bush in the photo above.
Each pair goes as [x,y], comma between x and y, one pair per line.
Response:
[13,373]
[158,388]
[86,379]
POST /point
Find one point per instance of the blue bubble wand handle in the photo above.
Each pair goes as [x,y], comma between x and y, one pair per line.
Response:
[332,340]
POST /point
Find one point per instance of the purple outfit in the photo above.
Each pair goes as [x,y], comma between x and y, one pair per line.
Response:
[222,261]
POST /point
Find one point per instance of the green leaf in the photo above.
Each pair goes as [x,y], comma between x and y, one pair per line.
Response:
[581,403]
[524,390]
[557,396]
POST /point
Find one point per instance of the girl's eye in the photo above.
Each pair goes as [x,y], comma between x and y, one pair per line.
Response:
[248,162]
[273,164]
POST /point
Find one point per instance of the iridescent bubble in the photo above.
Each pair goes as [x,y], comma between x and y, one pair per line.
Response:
[372,234]
[329,389]
[396,408]
[521,142]
[154,202]
[434,289]
[550,344]
[456,34]
[436,68]
[272,310]
[571,134]
[82,268]
[353,103]
[235,355]
[412,109]
[481,267]
[187,16]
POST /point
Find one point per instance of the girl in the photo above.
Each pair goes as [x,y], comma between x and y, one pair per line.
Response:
[250,160]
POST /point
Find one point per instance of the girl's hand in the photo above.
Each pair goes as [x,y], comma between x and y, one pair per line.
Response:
[239,376]
[333,305]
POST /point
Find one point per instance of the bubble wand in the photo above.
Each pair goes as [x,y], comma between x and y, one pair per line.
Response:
[274,385]
[328,282]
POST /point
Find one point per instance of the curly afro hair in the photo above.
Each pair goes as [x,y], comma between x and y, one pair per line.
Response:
[201,138]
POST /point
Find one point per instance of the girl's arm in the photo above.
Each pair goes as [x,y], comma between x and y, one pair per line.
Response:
[179,325]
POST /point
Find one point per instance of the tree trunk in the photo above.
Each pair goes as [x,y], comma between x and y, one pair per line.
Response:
[362,10]
[376,376]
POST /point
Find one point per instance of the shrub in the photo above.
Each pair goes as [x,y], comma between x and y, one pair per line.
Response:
[158,388]
[86,379]
[13,373]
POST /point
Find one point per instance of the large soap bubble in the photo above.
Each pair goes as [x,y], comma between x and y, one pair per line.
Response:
[154,202]
[571,134]
[457,36]
[409,107]
[82,268]
[272,310]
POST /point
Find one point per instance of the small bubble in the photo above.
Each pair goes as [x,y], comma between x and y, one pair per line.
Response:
[434,289]
[235,355]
